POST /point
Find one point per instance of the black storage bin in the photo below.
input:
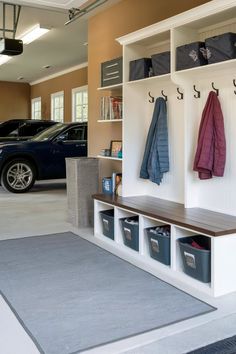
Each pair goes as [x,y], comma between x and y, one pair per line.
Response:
[130,231]
[220,48]
[107,217]
[191,55]
[197,262]
[161,63]
[111,72]
[159,243]
[140,69]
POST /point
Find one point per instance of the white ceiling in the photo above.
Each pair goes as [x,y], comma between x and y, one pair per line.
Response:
[63,4]
[62,47]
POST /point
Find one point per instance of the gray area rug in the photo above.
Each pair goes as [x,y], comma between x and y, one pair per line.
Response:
[71,295]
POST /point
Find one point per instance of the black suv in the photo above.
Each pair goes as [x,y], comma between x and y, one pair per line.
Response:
[22,129]
[42,157]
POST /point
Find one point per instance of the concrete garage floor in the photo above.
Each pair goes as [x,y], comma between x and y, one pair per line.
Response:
[44,211]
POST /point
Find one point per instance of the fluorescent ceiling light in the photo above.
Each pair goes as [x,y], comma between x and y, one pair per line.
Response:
[4,59]
[34,34]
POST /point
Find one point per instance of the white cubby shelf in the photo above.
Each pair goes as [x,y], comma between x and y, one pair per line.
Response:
[223,241]
[213,199]
[159,78]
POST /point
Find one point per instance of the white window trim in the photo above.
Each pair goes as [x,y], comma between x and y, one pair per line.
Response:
[73,91]
[53,95]
[33,100]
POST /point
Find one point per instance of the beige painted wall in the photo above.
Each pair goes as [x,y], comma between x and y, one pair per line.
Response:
[14,100]
[103,29]
[64,83]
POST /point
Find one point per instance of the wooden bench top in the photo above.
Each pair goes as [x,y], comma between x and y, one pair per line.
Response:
[197,219]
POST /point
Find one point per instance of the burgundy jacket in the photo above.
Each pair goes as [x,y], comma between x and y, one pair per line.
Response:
[211,149]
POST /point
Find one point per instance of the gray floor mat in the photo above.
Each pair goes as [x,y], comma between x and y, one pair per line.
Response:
[71,295]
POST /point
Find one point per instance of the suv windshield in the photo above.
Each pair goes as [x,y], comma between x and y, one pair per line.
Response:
[49,133]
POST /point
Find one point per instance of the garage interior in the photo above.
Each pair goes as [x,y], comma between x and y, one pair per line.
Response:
[66,59]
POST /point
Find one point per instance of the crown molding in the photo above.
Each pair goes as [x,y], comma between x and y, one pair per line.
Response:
[59,73]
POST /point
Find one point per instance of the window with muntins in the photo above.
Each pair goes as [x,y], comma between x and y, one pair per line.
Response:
[80,104]
[36,108]
[57,107]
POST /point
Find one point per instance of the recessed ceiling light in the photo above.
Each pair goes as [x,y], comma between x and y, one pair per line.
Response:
[33,34]
[20,78]
[85,43]
[47,66]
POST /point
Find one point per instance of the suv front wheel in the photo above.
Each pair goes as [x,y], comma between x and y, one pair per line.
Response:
[18,176]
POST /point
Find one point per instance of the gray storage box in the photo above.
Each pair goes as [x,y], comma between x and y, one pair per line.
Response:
[111,72]
[196,262]
[130,231]
[191,55]
[161,63]
[140,69]
[107,218]
[159,243]
[220,48]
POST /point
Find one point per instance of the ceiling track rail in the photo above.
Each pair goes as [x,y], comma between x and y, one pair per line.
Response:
[15,9]
[76,13]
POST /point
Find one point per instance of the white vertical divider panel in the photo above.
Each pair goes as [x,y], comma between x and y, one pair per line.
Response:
[181,36]
[117,237]
[173,248]
[223,264]
[142,245]
[97,225]
[119,213]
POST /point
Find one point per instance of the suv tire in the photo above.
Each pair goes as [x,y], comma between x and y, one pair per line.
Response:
[18,176]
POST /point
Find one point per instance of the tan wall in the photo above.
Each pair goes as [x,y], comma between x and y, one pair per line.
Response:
[103,29]
[64,83]
[14,100]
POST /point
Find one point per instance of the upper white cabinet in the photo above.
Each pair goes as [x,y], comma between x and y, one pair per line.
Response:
[180,184]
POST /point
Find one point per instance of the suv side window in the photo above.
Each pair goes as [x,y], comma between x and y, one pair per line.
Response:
[75,133]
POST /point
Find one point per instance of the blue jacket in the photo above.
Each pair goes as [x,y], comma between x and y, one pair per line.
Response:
[156,155]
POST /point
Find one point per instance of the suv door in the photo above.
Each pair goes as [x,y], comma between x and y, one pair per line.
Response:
[71,143]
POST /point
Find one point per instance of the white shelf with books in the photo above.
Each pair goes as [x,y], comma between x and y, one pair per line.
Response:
[109,120]
[109,158]
[112,184]
[111,108]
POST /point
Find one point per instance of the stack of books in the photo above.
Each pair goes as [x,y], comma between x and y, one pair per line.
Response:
[111,108]
[112,185]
